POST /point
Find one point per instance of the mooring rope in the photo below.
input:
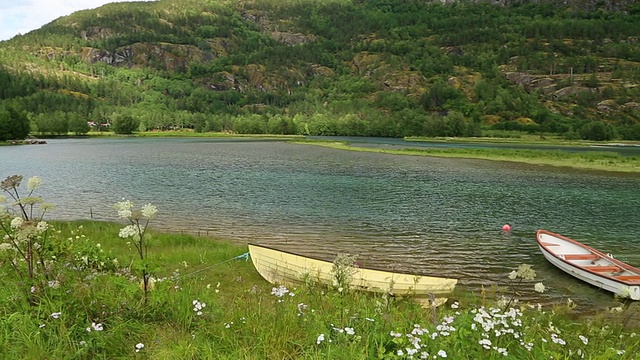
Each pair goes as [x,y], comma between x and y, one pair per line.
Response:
[244,256]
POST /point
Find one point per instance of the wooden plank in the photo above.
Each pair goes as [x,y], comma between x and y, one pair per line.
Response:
[580,256]
[603,268]
[628,277]
[549,244]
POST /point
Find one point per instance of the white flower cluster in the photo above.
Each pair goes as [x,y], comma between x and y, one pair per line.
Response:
[42,226]
[124,209]
[524,272]
[198,306]
[95,327]
[128,231]
[34,183]
[149,211]
[281,291]
[16,223]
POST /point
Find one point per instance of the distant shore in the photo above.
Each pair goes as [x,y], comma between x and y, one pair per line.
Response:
[598,160]
[594,160]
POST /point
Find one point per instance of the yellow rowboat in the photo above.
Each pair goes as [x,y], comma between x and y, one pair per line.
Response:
[285,268]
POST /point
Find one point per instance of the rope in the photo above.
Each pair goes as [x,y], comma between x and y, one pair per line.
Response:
[244,256]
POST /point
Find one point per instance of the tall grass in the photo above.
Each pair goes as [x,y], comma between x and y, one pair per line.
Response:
[243,317]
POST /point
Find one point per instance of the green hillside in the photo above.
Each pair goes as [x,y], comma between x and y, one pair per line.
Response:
[331,67]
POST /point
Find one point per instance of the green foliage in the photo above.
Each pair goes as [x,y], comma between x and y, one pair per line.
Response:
[123,124]
[597,131]
[26,244]
[439,95]
[14,124]
[366,68]
[78,125]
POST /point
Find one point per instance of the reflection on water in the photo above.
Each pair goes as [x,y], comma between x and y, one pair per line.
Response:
[426,215]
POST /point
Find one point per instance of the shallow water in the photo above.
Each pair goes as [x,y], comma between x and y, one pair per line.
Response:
[426,215]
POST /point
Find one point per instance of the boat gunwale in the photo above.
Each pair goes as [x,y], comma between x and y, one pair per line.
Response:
[359,267]
[619,263]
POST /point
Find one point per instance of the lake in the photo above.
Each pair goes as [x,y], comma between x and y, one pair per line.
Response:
[428,215]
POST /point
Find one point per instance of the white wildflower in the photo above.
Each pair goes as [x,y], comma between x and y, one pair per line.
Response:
[539,287]
[42,226]
[198,306]
[33,183]
[149,211]
[16,223]
[128,231]
[280,291]
[486,343]
[124,209]
[526,272]
[584,339]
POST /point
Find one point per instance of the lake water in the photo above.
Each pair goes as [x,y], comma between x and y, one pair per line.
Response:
[427,215]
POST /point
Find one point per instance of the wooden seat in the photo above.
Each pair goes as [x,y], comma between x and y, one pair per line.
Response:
[580,256]
[628,277]
[603,268]
[549,244]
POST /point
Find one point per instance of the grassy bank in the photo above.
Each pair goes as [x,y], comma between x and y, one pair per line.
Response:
[593,160]
[206,301]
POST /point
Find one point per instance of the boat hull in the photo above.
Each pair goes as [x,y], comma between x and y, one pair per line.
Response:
[590,265]
[280,267]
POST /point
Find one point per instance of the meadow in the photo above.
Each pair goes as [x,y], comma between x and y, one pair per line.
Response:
[593,160]
[97,290]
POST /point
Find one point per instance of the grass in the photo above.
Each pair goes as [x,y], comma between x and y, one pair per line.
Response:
[208,304]
[191,133]
[592,160]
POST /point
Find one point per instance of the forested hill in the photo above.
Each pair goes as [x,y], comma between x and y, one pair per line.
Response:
[332,67]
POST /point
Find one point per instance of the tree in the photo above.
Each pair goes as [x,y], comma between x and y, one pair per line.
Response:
[597,131]
[14,124]
[124,124]
[438,95]
[77,124]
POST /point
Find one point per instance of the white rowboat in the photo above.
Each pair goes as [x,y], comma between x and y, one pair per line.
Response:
[590,265]
[282,267]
